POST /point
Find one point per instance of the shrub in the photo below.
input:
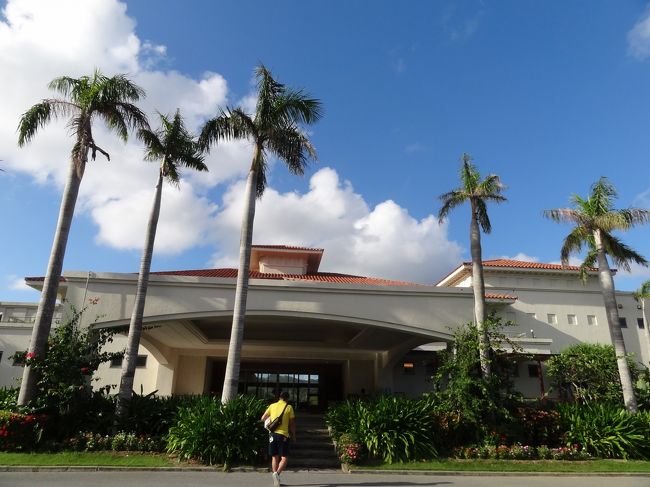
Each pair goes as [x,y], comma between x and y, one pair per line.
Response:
[522,452]
[588,372]
[537,426]
[470,406]
[607,431]
[65,375]
[121,441]
[149,414]
[8,398]
[19,431]
[391,428]
[216,433]
[350,449]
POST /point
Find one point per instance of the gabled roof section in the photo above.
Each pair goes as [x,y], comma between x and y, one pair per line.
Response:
[465,269]
[310,256]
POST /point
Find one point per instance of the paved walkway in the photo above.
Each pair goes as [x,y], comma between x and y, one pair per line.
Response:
[301,479]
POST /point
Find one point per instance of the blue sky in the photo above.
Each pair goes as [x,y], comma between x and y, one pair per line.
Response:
[548,95]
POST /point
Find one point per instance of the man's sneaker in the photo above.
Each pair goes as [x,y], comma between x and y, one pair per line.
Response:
[276,479]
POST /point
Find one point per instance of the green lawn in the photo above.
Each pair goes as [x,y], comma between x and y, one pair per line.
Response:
[104,459]
[517,466]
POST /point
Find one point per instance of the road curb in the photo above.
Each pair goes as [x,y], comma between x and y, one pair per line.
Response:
[448,473]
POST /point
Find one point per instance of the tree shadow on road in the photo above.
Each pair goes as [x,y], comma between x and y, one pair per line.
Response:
[370,484]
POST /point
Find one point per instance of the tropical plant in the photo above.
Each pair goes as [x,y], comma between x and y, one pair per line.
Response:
[477,192]
[389,427]
[606,431]
[149,414]
[594,220]
[471,406]
[64,389]
[589,372]
[641,295]
[174,147]
[273,130]
[217,433]
[84,100]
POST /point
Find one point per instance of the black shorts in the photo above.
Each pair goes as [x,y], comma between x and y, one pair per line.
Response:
[278,445]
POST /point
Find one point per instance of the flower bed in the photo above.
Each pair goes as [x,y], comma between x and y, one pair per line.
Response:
[523,452]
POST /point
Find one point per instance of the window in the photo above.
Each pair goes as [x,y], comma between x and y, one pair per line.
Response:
[622,322]
[19,358]
[551,319]
[591,320]
[513,370]
[1,316]
[572,319]
[0,354]
[639,321]
[140,362]
[409,368]
[533,370]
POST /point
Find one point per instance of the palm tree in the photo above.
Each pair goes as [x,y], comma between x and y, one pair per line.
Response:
[594,220]
[641,295]
[478,192]
[273,130]
[83,100]
[173,146]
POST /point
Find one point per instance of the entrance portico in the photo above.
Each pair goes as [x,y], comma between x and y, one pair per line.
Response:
[349,330]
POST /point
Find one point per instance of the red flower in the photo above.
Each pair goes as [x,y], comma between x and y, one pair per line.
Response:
[30,355]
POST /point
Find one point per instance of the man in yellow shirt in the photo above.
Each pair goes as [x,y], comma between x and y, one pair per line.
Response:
[279,439]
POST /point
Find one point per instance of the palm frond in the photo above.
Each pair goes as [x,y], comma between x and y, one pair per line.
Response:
[482,215]
[621,254]
[228,125]
[573,244]
[40,115]
[292,147]
[588,264]
[643,292]
[450,200]
[565,215]
[296,106]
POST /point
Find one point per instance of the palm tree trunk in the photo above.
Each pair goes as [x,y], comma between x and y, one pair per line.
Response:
[135,327]
[47,303]
[231,378]
[478,286]
[613,320]
[645,325]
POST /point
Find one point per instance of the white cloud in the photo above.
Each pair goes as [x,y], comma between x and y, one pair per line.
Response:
[17,283]
[40,40]
[384,241]
[521,257]
[638,39]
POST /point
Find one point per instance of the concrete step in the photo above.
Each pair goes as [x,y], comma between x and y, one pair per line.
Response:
[297,463]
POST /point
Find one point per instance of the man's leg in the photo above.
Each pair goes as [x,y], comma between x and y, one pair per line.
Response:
[281,466]
[274,463]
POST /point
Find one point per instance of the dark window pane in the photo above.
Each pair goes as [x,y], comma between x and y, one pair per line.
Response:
[533,370]
[639,322]
[623,322]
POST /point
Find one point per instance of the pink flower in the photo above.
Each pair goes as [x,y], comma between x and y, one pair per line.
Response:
[30,355]
[93,300]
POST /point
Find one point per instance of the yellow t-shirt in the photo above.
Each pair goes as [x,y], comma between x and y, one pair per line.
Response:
[275,410]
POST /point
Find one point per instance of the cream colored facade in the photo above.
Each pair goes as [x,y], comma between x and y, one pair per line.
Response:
[333,335]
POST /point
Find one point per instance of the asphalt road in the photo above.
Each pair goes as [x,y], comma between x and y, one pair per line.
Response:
[301,479]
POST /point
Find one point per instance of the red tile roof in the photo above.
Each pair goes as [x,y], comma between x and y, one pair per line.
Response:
[500,296]
[520,264]
[230,273]
[286,247]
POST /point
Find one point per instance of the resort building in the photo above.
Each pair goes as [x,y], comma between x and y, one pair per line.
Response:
[326,336]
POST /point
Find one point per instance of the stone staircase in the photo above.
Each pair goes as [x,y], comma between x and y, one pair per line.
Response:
[314,448]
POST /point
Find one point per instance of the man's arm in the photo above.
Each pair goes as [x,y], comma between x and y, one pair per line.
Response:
[292,429]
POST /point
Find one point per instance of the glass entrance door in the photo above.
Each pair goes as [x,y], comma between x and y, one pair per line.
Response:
[303,388]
